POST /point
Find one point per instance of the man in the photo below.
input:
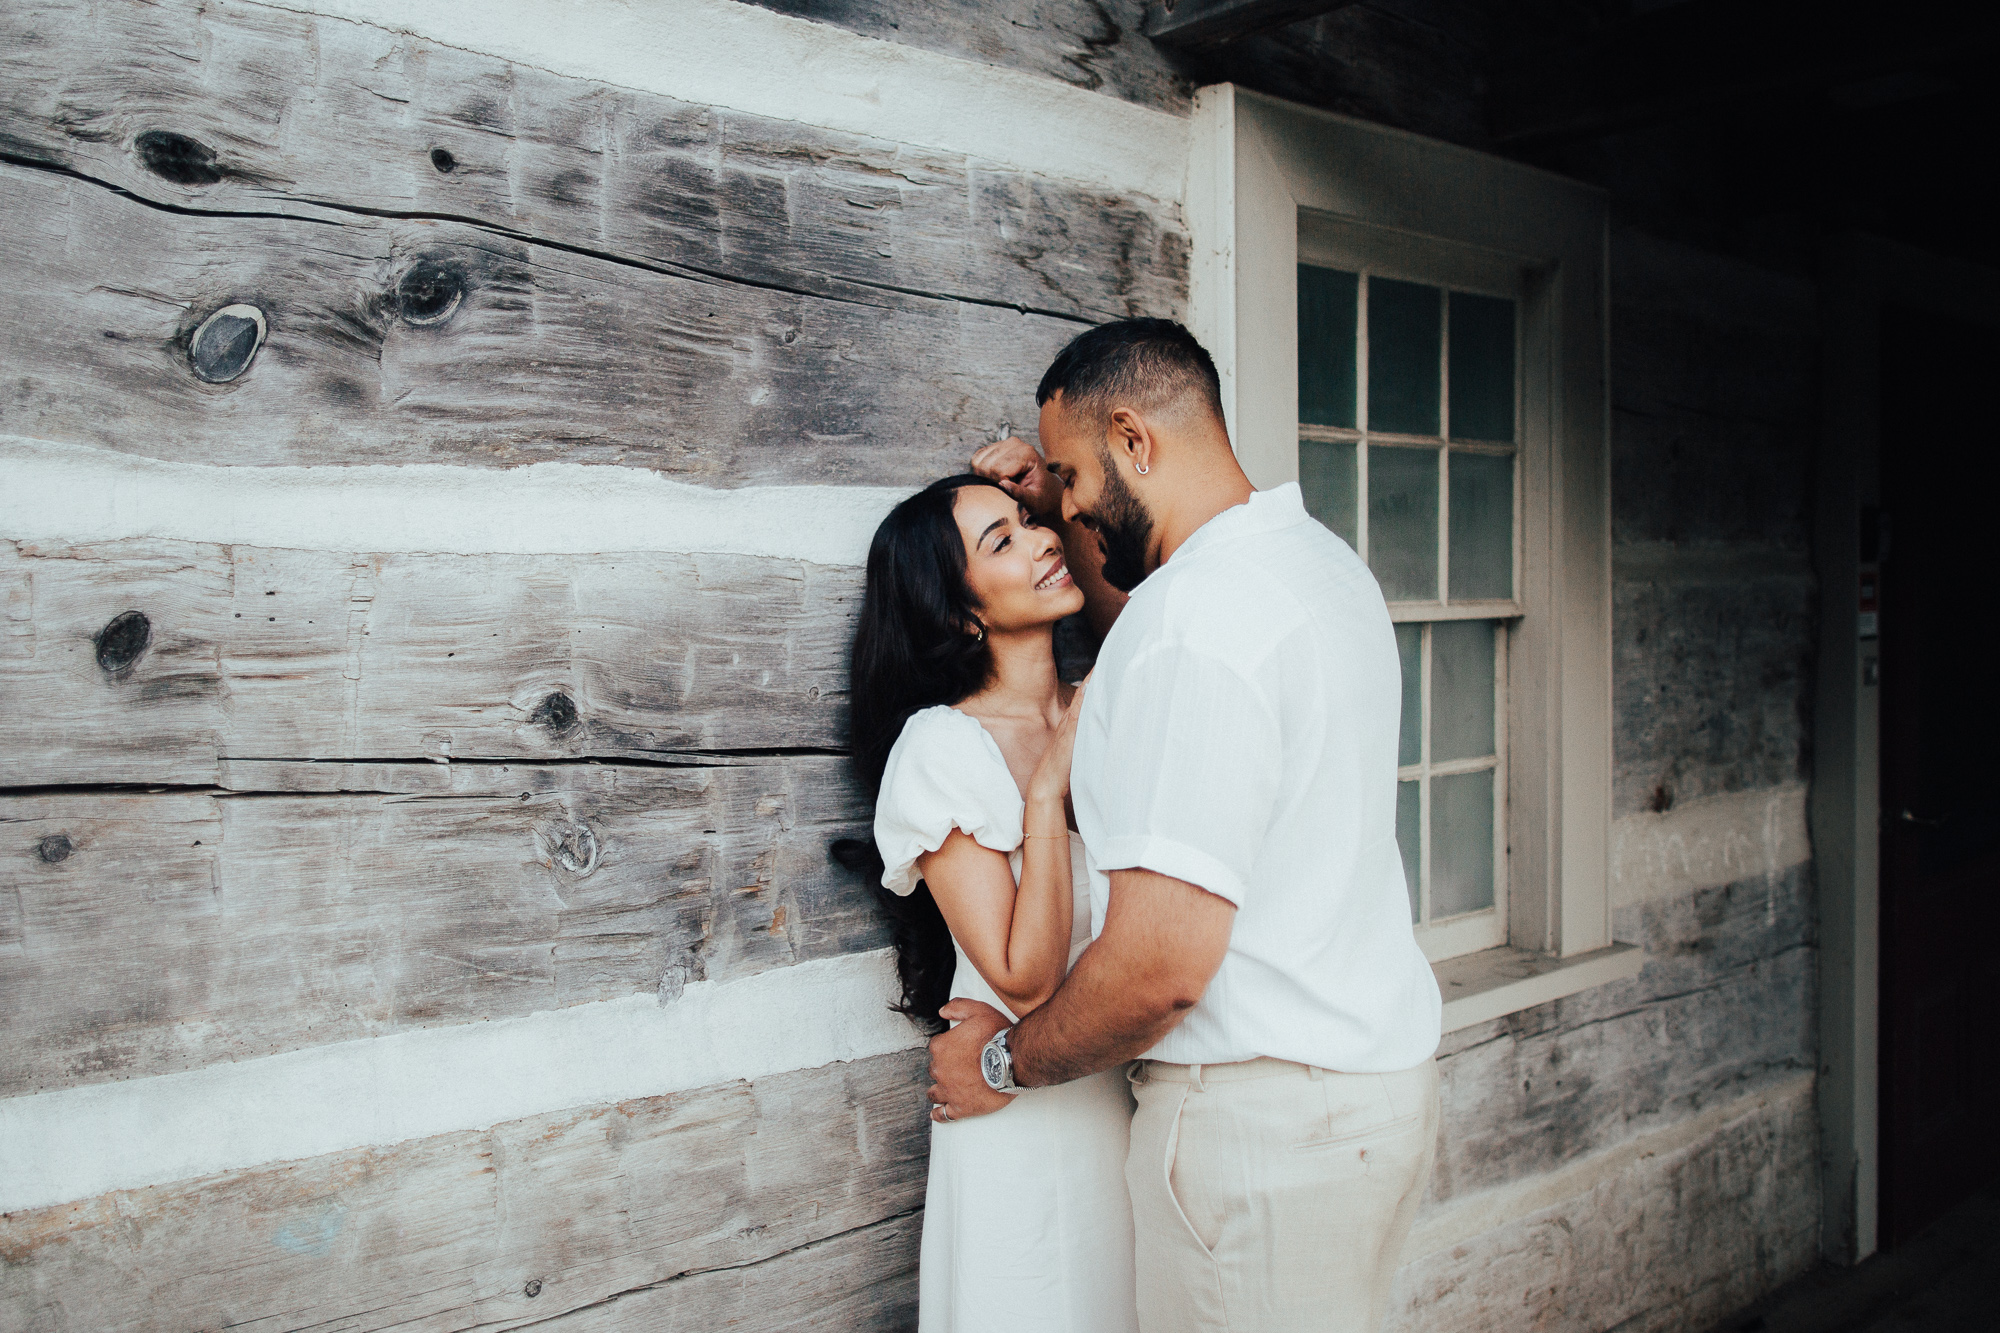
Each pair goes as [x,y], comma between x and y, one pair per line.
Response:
[1235,785]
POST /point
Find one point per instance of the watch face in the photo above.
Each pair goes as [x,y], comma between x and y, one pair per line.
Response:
[993,1063]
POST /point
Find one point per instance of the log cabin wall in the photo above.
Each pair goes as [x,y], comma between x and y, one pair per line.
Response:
[429,679]
[425,669]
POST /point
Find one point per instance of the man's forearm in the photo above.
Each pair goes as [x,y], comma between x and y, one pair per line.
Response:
[1163,941]
[1087,1025]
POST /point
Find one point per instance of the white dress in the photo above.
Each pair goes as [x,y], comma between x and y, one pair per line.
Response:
[1027,1222]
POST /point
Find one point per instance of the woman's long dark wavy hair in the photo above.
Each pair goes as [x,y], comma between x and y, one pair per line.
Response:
[918,645]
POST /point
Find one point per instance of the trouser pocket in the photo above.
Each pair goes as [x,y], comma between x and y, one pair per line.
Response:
[1179,1286]
[1173,1193]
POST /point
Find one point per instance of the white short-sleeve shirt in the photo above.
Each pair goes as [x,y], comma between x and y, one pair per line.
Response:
[1239,733]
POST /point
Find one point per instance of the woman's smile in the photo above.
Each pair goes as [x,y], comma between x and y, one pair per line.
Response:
[1055,578]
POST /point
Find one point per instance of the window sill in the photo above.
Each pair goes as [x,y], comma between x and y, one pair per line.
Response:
[1493,983]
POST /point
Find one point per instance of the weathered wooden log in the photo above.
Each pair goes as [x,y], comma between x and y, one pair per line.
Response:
[151,661]
[416,341]
[248,108]
[1716,1010]
[786,1202]
[144,932]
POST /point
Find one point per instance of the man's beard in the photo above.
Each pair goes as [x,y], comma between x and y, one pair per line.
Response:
[1125,529]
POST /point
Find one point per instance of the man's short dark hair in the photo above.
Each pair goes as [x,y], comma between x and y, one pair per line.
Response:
[1147,362]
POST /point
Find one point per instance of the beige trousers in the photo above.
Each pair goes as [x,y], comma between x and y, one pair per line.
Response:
[1269,1196]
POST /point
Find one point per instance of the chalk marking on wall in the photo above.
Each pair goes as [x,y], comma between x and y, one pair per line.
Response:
[77,1143]
[1460,1220]
[1709,842]
[76,493]
[725,54]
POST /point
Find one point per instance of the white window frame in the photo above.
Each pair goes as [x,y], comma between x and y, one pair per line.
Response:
[1256,165]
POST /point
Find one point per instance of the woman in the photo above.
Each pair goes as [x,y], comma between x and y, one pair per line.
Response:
[963,727]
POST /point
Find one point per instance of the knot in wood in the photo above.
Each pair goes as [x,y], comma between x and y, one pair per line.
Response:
[429,292]
[55,848]
[533,1289]
[122,640]
[224,344]
[569,844]
[555,714]
[443,161]
[177,158]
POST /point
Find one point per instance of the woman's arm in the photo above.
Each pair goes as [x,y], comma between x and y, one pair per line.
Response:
[1018,938]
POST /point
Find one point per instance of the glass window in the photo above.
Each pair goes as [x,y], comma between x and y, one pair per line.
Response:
[1326,326]
[1408,399]
[1405,344]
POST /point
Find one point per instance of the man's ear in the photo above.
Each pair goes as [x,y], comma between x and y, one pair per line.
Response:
[1131,439]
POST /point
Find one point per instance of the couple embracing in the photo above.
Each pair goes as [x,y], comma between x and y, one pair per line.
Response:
[1175,885]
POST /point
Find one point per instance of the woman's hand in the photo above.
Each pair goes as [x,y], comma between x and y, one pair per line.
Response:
[1050,783]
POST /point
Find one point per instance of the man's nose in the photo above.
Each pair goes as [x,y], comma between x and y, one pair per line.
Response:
[1069,509]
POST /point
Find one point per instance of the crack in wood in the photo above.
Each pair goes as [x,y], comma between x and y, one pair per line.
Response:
[58,169]
[666,1282]
[684,271]
[673,760]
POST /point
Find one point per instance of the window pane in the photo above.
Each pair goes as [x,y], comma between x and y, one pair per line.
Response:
[1326,346]
[1403,522]
[1461,690]
[1461,843]
[1409,647]
[1404,328]
[1482,367]
[1482,526]
[1327,483]
[1409,837]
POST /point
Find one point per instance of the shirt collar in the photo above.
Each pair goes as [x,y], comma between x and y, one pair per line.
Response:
[1264,511]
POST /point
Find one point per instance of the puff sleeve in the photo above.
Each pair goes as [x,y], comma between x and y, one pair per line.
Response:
[944,772]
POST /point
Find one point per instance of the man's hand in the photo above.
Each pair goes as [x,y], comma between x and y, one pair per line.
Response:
[1019,469]
[960,1090]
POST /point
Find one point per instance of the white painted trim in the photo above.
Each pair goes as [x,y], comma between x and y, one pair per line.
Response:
[74,493]
[1480,987]
[1460,1220]
[724,54]
[81,1142]
[1706,843]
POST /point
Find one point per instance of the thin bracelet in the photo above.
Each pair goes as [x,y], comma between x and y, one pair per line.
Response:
[1050,836]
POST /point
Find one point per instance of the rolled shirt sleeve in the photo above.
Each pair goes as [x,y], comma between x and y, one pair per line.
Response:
[1189,774]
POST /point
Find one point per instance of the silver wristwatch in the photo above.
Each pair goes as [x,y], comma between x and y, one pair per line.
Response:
[996,1062]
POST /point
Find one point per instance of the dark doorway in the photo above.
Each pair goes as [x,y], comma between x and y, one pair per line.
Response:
[1940,766]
